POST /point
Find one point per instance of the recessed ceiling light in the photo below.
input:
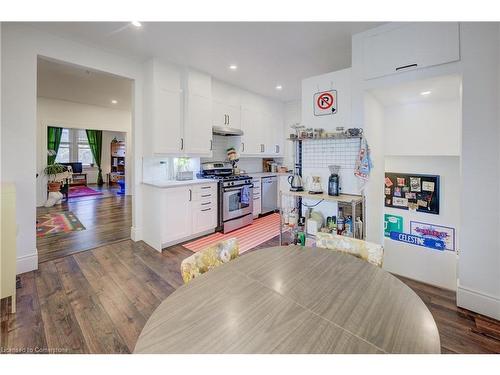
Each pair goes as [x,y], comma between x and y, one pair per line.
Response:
[279,87]
[233,67]
[136,24]
[114,101]
[425,93]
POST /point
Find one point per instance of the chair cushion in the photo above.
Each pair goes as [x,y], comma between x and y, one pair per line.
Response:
[211,257]
[369,251]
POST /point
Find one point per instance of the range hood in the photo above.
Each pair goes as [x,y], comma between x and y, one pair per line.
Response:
[227,131]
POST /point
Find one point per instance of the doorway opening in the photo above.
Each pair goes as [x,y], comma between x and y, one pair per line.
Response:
[84,128]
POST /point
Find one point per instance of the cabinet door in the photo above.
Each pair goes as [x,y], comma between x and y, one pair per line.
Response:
[251,141]
[411,46]
[166,121]
[204,217]
[177,221]
[273,124]
[219,115]
[233,116]
[198,125]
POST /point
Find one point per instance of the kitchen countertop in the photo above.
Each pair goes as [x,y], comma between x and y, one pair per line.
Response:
[267,174]
[165,184]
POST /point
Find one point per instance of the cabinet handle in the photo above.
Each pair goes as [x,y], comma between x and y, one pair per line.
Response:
[206,187]
[262,147]
[211,145]
[242,146]
[406,66]
[206,203]
[277,149]
[206,195]
[190,195]
[228,120]
[206,209]
[182,143]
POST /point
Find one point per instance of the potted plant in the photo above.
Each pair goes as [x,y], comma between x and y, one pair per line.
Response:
[55,174]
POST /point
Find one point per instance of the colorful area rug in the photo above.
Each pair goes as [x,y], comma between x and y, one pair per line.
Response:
[262,230]
[62,222]
[82,191]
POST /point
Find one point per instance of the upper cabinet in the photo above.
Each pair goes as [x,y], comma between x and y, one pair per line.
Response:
[178,110]
[410,46]
[197,137]
[224,114]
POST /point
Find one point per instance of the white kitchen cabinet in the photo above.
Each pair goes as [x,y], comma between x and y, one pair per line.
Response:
[197,137]
[178,111]
[257,198]
[204,208]
[226,115]
[167,136]
[275,137]
[253,139]
[410,46]
[177,214]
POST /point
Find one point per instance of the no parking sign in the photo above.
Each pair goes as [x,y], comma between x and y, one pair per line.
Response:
[325,103]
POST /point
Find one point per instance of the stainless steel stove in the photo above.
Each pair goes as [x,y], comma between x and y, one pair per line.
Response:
[235,195]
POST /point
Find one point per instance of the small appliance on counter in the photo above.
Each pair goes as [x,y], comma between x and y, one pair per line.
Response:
[184,175]
[334,180]
[314,185]
[295,182]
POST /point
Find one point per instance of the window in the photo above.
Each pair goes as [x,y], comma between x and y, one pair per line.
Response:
[74,147]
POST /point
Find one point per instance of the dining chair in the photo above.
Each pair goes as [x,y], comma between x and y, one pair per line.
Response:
[209,258]
[371,252]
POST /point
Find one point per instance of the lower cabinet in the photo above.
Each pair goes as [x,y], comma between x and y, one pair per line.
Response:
[257,200]
[176,214]
[189,211]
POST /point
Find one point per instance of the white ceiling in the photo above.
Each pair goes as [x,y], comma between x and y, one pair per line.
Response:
[63,81]
[441,88]
[266,53]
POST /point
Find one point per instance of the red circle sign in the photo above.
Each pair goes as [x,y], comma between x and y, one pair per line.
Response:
[325,100]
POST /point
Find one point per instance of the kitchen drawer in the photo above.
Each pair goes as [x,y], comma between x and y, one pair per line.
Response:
[204,196]
[204,219]
[202,188]
[201,205]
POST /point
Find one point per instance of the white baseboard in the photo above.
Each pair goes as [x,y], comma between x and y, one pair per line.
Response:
[136,234]
[27,263]
[478,302]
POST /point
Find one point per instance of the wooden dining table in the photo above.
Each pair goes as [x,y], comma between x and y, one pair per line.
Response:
[292,300]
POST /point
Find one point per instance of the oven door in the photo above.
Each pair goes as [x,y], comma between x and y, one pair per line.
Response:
[232,205]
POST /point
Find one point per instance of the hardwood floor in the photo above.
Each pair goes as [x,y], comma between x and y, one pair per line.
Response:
[97,301]
[107,219]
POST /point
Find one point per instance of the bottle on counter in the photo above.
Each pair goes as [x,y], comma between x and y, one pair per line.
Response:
[348,226]
[340,222]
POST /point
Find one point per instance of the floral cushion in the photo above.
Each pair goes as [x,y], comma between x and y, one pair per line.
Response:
[211,257]
[369,251]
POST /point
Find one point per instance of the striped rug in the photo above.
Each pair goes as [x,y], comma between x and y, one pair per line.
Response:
[262,230]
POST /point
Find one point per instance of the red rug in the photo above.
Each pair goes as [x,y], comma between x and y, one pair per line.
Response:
[262,230]
[82,191]
[63,222]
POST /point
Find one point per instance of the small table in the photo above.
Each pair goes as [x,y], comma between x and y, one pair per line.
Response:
[292,300]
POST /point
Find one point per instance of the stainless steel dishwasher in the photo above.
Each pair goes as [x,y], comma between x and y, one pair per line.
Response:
[269,194]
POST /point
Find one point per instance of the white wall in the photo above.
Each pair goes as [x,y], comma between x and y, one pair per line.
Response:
[423,128]
[20,47]
[479,261]
[419,263]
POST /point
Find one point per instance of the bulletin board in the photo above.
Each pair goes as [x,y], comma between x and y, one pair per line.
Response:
[415,192]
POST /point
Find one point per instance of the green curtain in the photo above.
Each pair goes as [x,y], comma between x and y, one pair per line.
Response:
[95,142]
[53,141]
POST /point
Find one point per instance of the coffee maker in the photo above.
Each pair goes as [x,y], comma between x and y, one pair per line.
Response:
[334,180]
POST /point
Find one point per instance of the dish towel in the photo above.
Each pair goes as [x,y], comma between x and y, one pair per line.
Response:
[364,163]
[245,195]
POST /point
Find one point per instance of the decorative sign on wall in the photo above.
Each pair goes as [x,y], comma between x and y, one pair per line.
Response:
[418,240]
[416,192]
[436,232]
[392,223]
[325,103]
